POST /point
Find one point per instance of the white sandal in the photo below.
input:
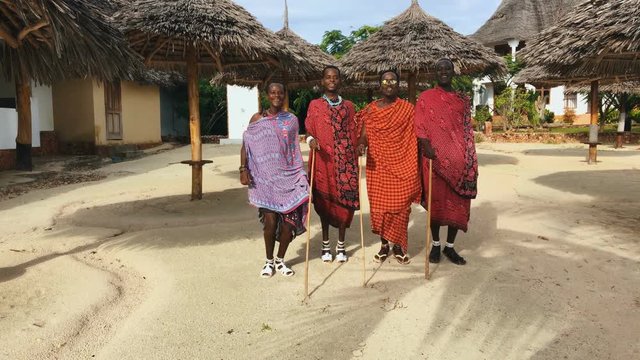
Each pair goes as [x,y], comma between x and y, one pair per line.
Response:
[282,267]
[341,253]
[326,252]
[268,269]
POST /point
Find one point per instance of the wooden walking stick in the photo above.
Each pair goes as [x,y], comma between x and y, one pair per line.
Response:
[426,262]
[364,258]
[306,261]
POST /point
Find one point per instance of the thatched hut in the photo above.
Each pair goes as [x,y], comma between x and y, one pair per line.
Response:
[600,42]
[198,35]
[44,41]
[294,75]
[515,22]
[411,43]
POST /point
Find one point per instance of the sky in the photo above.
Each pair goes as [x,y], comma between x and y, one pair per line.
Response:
[311,18]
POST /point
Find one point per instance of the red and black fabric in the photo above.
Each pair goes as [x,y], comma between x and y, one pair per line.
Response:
[335,188]
[393,183]
[444,118]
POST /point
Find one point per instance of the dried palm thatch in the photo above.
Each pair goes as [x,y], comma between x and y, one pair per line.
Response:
[61,39]
[289,73]
[412,42]
[223,34]
[293,74]
[521,19]
[159,78]
[539,75]
[627,87]
[599,39]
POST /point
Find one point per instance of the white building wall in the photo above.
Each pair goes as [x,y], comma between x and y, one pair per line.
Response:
[483,93]
[242,104]
[556,100]
[583,104]
[41,115]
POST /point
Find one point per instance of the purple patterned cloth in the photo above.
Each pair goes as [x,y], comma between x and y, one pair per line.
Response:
[278,180]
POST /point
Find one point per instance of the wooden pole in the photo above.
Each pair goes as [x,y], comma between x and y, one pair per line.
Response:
[595,105]
[312,158]
[360,197]
[412,87]
[23,107]
[426,262]
[194,122]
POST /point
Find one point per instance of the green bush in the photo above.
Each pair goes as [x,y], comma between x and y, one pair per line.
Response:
[612,117]
[482,114]
[549,116]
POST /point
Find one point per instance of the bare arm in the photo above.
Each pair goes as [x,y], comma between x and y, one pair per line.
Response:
[245,176]
[363,142]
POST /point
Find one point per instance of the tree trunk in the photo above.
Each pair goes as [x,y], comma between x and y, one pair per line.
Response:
[194,123]
[23,107]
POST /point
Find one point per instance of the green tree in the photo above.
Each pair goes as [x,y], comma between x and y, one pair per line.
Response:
[334,42]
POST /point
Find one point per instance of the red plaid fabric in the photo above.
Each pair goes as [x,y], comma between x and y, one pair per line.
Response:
[392,168]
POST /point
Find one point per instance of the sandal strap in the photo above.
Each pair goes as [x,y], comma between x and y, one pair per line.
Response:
[282,267]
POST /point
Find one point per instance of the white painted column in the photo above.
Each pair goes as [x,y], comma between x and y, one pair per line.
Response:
[513,43]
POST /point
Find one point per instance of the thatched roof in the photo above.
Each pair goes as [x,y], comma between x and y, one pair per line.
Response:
[62,39]
[627,87]
[600,40]
[225,34]
[521,19]
[412,42]
[294,74]
[366,86]
[160,78]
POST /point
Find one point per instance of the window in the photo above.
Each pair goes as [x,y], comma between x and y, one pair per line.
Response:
[571,101]
[113,109]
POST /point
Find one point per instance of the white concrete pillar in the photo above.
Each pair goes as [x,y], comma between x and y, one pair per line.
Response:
[513,43]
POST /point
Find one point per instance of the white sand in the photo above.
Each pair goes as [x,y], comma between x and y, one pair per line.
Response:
[129,268]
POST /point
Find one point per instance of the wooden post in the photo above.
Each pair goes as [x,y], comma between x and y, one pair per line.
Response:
[312,159]
[427,273]
[194,122]
[595,104]
[23,107]
[412,87]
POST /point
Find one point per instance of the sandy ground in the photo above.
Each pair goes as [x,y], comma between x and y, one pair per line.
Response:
[128,268]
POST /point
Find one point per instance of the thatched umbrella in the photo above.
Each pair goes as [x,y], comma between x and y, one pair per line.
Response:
[521,20]
[293,74]
[45,41]
[598,41]
[411,43]
[209,35]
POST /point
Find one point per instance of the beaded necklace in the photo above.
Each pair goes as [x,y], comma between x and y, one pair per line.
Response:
[331,102]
